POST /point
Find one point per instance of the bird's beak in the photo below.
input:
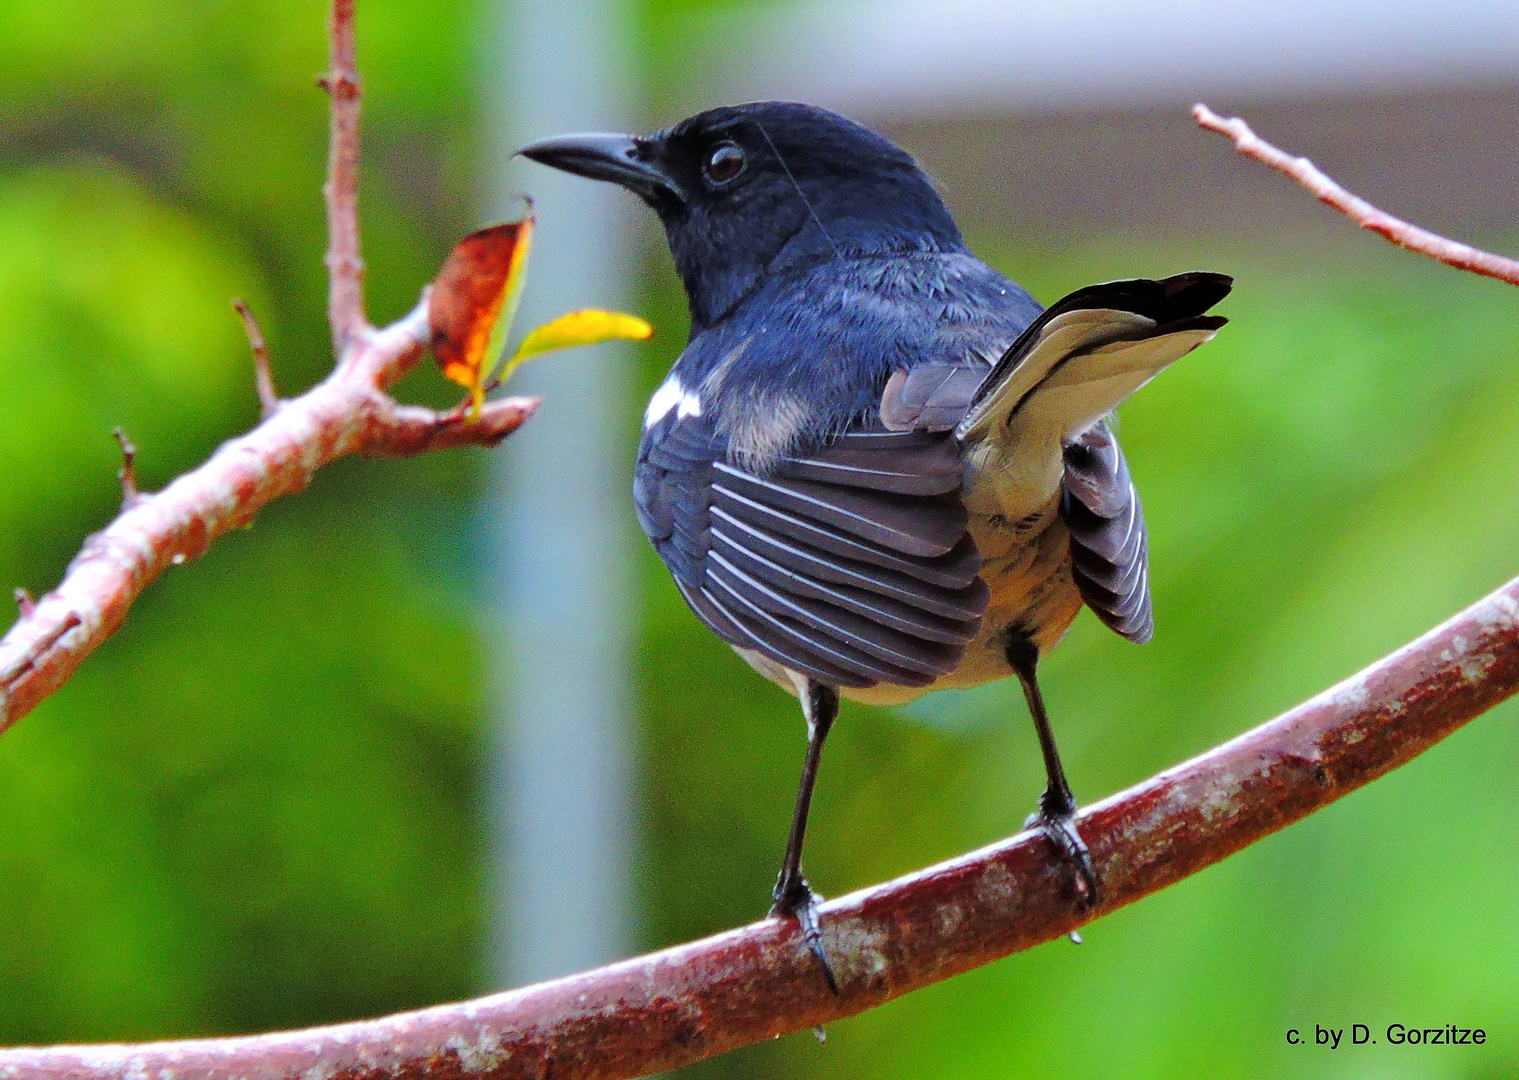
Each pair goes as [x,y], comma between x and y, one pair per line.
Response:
[620,159]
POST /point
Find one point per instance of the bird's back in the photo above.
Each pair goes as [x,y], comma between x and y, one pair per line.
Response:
[806,357]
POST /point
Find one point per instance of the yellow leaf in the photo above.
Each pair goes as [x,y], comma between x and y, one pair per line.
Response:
[577,328]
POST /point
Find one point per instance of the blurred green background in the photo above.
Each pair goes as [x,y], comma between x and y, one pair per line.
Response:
[259,806]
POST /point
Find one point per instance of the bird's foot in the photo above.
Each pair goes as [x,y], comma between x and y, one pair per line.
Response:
[796,899]
[1056,818]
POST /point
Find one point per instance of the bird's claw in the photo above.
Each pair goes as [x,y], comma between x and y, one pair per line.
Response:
[795,899]
[1059,824]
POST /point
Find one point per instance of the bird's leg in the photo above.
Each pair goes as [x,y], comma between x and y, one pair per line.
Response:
[1056,816]
[793,896]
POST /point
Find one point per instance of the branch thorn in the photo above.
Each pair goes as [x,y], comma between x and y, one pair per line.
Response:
[263,377]
[339,84]
[127,474]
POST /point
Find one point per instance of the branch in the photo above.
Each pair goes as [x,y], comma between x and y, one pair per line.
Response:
[345,268]
[349,413]
[1400,232]
[675,1007]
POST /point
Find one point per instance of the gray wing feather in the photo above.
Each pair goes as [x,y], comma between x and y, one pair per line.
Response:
[1109,551]
[930,397]
[851,564]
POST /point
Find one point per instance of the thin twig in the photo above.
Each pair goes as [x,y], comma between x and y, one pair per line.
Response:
[1453,253]
[345,267]
[263,377]
[127,474]
[694,1001]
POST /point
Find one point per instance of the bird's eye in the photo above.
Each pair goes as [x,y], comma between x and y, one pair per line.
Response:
[724,163]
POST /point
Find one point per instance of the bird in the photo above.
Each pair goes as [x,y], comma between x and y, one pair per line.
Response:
[879,467]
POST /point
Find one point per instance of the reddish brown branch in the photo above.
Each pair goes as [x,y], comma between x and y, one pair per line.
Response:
[1400,232]
[675,1007]
[345,267]
[263,377]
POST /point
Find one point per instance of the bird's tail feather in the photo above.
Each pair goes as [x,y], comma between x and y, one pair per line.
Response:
[1087,353]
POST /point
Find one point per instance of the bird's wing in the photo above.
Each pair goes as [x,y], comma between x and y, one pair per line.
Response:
[850,564]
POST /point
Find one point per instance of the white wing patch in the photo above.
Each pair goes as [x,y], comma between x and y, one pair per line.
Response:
[671,395]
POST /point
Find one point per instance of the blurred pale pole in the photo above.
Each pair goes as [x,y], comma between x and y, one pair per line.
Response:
[561,772]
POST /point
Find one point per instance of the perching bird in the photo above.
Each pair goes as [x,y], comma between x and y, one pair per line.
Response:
[878,468]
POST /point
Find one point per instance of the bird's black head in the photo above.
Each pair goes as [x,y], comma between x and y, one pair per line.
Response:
[747,191]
